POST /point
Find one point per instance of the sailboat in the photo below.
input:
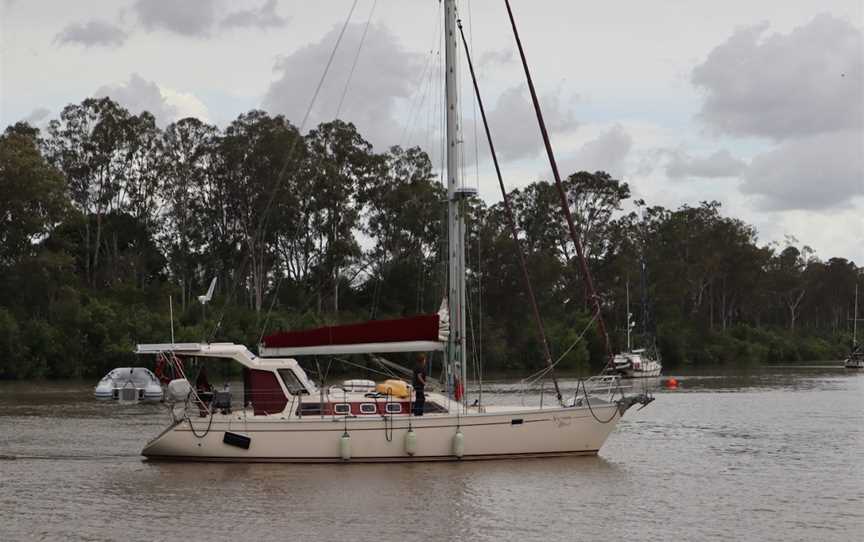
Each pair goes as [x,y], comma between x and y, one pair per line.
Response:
[856,354]
[636,363]
[286,417]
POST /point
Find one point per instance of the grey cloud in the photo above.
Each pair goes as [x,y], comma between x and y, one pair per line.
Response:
[262,17]
[802,83]
[37,115]
[488,58]
[139,95]
[383,82]
[606,153]
[91,34]
[178,16]
[720,164]
[817,172]
[514,124]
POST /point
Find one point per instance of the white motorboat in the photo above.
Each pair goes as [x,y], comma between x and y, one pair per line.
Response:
[285,417]
[129,384]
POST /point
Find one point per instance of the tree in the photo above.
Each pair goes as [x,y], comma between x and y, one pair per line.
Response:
[88,144]
[188,161]
[256,155]
[33,197]
[405,220]
[787,279]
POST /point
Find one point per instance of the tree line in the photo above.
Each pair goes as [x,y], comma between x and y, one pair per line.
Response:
[105,216]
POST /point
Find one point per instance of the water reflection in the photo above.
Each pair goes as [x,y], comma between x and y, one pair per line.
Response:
[768,454]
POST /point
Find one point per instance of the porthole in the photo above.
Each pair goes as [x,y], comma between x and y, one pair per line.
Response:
[368,408]
[342,408]
[394,408]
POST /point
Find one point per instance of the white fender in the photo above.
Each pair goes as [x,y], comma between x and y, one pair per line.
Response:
[410,442]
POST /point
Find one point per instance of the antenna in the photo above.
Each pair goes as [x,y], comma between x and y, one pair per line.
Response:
[630,322]
[171,313]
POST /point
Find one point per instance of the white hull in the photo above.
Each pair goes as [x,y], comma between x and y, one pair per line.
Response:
[502,433]
[853,363]
[637,373]
[129,384]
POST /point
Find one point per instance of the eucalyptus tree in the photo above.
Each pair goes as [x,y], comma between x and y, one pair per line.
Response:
[33,200]
[594,198]
[256,154]
[405,221]
[339,166]
[88,144]
[192,213]
[787,280]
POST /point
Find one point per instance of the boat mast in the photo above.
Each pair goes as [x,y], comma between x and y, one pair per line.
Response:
[855,320]
[456,196]
[591,296]
[627,290]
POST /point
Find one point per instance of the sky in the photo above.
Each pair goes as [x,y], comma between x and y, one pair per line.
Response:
[756,104]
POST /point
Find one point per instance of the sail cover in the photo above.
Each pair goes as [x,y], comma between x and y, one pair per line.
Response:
[414,334]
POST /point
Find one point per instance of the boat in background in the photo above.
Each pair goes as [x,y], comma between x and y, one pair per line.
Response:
[129,385]
[636,363]
[856,355]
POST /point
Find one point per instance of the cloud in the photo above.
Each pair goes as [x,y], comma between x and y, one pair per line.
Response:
[37,115]
[165,104]
[383,82]
[262,17]
[180,17]
[607,153]
[779,86]
[819,172]
[491,58]
[720,164]
[93,33]
[514,124]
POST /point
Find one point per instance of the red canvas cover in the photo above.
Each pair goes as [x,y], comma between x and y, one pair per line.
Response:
[415,328]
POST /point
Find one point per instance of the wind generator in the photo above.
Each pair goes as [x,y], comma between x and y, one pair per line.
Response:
[204,299]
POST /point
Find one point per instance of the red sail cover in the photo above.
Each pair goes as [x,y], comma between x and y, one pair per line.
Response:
[415,328]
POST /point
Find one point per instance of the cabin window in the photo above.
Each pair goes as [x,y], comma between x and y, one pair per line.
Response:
[394,408]
[368,408]
[342,408]
[309,409]
[292,384]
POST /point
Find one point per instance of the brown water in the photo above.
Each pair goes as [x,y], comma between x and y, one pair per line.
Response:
[777,454]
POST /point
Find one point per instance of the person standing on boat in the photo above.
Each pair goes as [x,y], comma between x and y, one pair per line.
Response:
[419,383]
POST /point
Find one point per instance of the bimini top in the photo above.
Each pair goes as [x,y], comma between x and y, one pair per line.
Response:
[415,334]
[236,352]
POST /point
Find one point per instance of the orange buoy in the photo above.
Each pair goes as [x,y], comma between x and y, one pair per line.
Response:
[671,383]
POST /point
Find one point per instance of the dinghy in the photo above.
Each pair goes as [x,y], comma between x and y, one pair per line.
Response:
[129,384]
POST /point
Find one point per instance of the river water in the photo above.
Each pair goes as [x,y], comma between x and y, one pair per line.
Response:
[773,454]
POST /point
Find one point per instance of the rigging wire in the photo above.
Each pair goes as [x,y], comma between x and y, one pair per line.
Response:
[282,172]
[474,103]
[565,205]
[479,354]
[356,57]
[421,83]
[538,320]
